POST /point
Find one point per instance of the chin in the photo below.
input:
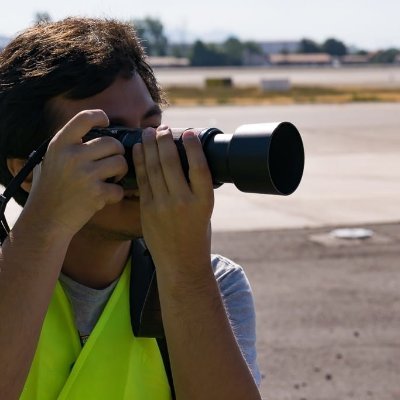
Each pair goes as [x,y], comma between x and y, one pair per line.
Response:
[111,233]
[119,221]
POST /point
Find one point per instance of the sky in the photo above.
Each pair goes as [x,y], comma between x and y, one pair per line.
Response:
[366,24]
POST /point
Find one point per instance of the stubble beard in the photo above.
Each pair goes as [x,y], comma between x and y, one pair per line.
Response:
[114,235]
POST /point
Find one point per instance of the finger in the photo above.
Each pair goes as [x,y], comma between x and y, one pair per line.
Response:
[199,172]
[141,174]
[111,193]
[102,147]
[79,125]
[110,167]
[154,170]
[170,163]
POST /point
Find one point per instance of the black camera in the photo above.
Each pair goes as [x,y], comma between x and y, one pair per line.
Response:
[257,158]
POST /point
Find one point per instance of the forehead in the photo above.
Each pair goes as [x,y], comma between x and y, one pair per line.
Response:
[126,100]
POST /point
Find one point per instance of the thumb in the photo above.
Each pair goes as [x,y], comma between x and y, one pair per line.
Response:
[74,130]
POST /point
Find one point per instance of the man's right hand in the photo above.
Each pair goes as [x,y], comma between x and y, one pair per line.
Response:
[71,188]
[72,185]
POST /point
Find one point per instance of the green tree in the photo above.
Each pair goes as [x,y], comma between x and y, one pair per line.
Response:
[385,56]
[176,50]
[309,46]
[252,48]
[151,32]
[233,49]
[231,52]
[206,55]
[334,47]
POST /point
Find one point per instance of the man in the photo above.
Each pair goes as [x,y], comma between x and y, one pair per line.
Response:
[64,265]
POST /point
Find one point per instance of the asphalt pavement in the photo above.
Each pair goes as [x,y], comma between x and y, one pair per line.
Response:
[328,310]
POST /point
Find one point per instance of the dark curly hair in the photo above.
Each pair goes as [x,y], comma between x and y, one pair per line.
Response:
[75,57]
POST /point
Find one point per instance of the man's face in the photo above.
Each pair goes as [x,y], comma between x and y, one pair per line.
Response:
[127,102]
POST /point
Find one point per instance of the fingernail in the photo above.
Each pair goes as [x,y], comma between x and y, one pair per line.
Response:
[188,135]
[162,128]
[149,133]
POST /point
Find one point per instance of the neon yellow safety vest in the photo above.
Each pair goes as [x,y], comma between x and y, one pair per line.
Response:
[113,364]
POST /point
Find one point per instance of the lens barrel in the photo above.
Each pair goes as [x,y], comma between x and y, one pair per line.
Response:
[258,158]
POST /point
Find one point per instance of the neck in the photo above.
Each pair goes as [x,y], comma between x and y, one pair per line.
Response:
[95,261]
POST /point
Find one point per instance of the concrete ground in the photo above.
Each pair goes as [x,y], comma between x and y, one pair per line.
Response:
[328,309]
[370,76]
[352,167]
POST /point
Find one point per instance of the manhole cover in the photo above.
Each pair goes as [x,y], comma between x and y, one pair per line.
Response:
[349,237]
[352,233]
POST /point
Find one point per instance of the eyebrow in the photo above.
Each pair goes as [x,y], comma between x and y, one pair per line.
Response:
[154,110]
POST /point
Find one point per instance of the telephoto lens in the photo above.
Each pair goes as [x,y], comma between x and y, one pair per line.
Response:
[263,158]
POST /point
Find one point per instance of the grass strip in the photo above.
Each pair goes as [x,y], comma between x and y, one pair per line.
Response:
[296,95]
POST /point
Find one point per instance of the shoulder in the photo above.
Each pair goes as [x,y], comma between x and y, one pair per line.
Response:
[227,272]
[233,283]
[239,305]
[223,266]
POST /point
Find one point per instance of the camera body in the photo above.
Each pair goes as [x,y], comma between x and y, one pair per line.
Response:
[128,138]
[258,158]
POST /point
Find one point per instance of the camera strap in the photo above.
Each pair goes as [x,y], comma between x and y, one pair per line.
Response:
[34,158]
[145,309]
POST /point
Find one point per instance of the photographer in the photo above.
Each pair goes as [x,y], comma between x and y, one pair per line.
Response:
[64,268]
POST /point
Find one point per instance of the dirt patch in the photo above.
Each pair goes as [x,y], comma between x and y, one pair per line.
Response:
[192,96]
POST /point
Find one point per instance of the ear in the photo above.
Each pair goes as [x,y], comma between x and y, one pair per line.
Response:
[15,165]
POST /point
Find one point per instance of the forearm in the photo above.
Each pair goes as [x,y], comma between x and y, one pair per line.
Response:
[205,358]
[31,259]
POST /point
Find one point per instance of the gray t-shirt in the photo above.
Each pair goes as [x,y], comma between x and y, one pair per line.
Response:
[236,293]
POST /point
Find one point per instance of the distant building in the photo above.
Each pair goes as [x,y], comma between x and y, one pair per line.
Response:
[168,61]
[355,59]
[307,59]
[279,47]
[253,59]
[268,48]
